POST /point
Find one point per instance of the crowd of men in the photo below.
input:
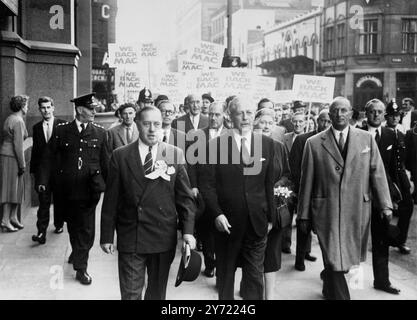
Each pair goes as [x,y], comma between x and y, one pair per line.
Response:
[210,173]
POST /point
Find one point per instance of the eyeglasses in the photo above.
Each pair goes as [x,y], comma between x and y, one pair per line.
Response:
[168,112]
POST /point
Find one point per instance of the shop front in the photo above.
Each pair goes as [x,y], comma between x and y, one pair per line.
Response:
[366,87]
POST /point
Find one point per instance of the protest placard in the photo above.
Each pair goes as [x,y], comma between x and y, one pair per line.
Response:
[128,84]
[263,87]
[206,53]
[123,55]
[172,85]
[234,81]
[313,88]
[149,50]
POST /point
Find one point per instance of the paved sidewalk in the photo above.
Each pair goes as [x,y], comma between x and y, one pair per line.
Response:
[32,271]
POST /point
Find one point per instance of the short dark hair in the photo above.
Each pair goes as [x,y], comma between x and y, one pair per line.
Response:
[145,109]
[160,98]
[45,99]
[263,101]
[18,102]
[125,106]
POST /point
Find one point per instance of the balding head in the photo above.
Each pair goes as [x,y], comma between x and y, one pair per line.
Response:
[340,113]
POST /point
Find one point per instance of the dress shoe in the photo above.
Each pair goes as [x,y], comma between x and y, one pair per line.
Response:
[17,224]
[59,230]
[41,238]
[83,277]
[309,257]
[404,249]
[388,289]
[8,228]
[209,272]
[286,250]
[70,259]
[300,266]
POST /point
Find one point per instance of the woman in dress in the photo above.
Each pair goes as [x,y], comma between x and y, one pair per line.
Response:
[13,164]
[264,122]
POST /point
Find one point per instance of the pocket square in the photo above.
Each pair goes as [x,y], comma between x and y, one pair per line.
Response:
[263,159]
[389,148]
[366,150]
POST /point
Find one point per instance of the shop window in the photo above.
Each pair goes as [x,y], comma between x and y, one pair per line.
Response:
[305,48]
[368,39]
[409,35]
[340,40]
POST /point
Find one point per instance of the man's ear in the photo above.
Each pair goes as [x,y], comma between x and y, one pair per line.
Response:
[78,110]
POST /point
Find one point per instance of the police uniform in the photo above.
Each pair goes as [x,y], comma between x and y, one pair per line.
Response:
[400,178]
[81,170]
[145,96]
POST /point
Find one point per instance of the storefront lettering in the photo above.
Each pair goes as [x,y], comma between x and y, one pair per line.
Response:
[57,20]
[105,11]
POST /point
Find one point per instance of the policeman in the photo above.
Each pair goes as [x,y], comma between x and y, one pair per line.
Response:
[145,98]
[405,206]
[80,155]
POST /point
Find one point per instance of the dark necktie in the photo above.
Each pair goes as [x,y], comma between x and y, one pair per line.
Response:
[377,137]
[147,166]
[83,127]
[341,142]
[245,152]
[165,139]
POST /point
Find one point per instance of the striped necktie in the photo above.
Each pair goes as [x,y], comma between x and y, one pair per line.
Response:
[147,166]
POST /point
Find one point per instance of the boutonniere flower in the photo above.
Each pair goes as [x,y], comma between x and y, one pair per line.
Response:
[282,195]
[366,150]
[161,170]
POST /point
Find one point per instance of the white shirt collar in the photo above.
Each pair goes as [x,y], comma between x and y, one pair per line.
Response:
[144,149]
[195,120]
[214,133]
[373,130]
[50,121]
[78,122]
[336,133]
[238,138]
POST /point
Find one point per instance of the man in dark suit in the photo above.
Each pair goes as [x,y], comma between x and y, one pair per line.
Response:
[146,187]
[79,154]
[303,248]
[205,226]
[194,119]
[406,205]
[124,133]
[43,135]
[299,122]
[386,141]
[341,168]
[238,191]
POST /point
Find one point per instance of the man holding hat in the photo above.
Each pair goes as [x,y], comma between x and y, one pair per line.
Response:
[405,206]
[145,98]
[79,155]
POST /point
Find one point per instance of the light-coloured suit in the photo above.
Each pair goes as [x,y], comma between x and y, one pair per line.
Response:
[336,194]
[116,137]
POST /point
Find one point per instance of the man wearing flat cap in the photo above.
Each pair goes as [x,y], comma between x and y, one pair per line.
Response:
[79,154]
[145,98]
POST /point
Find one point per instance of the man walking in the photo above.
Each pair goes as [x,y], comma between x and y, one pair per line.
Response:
[193,120]
[79,153]
[240,200]
[43,136]
[146,188]
[341,168]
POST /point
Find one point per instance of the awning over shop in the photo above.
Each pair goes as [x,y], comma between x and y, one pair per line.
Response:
[298,64]
[11,5]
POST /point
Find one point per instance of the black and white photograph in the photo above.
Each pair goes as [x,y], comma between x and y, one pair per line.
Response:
[197,151]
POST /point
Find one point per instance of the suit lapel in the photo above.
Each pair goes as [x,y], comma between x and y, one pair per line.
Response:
[288,141]
[135,132]
[329,144]
[122,134]
[354,146]
[40,133]
[134,163]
